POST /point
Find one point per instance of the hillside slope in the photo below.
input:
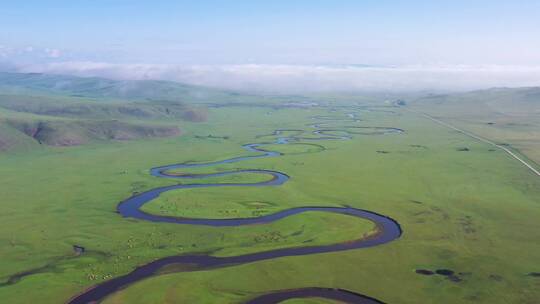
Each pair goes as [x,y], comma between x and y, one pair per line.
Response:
[505,116]
[49,110]
[102,88]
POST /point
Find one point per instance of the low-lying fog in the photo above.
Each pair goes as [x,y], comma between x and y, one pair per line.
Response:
[310,78]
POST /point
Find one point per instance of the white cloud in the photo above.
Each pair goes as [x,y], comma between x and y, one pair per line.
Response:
[298,78]
[52,53]
[28,54]
[4,51]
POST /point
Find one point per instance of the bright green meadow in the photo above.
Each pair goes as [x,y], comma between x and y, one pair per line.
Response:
[474,211]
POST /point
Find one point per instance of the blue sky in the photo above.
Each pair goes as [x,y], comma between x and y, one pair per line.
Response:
[293,45]
[273,32]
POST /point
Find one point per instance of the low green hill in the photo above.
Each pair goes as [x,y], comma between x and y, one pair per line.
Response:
[500,101]
[70,133]
[74,107]
[503,115]
[13,140]
[38,110]
[101,88]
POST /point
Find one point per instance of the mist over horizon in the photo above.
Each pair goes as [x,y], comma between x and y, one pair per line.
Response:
[281,46]
[287,78]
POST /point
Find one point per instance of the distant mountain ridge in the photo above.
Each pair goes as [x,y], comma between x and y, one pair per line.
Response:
[96,87]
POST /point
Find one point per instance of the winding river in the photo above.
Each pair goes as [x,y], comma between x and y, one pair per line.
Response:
[387,228]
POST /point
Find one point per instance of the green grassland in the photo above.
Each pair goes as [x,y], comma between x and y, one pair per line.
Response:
[27,121]
[475,212]
[506,116]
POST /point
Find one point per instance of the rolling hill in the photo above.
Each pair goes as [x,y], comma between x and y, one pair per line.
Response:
[41,109]
[102,88]
[508,116]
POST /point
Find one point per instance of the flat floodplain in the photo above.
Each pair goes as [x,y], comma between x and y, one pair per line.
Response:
[461,205]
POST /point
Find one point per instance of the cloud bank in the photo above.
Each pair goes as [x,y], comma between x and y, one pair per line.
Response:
[308,78]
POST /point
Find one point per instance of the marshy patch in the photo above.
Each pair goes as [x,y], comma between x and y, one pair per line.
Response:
[443,214]
[382,152]
[534,274]
[444,272]
[448,273]
[467,224]
[426,272]
[463,149]
[495,277]
[454,278]
[78,249]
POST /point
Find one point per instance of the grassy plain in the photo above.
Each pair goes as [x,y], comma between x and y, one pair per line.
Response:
[505,116]
[475,212]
